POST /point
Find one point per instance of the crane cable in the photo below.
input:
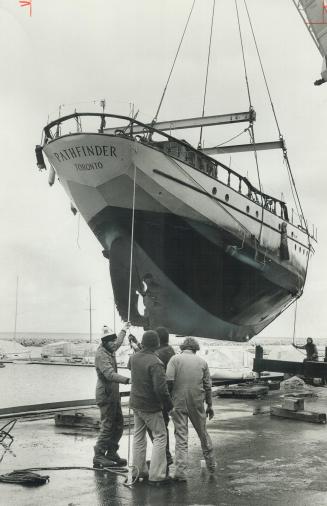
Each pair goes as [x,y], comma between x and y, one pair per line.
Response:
[277,125]
[207,71]
[172,67]
[251,127]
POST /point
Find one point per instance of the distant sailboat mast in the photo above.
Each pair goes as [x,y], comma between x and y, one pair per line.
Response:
[16,308]
[314,16]
[90,312]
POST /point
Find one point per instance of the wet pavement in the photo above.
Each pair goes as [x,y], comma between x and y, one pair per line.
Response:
[261,461]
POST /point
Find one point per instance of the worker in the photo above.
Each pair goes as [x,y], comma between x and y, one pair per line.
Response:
[311,350]
[165,352]
[190,383]
[149,395]
[108,400]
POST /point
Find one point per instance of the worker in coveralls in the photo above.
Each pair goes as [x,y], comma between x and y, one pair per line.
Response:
[108,399]
[190,385]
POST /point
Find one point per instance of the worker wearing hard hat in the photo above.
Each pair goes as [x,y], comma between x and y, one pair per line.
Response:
[190,385]
[108,400]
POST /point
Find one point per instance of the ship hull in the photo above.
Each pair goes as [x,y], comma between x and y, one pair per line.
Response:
[203,264]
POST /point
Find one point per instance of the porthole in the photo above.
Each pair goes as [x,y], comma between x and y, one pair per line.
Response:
[294,246]
[292,234]
[279,226]
[227,197]
[257,213]
[300,249]
[214,190]
[247,209]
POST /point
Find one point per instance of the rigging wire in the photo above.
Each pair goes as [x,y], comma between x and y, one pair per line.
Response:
[289,170]
[291,185]
[243,56]
[172,67]
[262,68]
[207,71]
[274,112]
[251,127]
[232,138]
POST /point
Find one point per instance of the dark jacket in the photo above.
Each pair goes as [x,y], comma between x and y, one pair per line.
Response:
[107,388]
[312,351]
[165,353]
[149,391]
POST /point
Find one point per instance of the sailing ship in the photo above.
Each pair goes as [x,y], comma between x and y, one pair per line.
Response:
[205,249]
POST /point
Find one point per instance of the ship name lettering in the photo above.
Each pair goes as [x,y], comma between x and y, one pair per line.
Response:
[85,151]
[88,166]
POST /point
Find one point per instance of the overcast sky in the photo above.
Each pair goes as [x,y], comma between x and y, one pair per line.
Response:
[79,52]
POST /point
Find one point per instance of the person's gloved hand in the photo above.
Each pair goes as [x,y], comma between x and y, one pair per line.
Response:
[132,339]
[210,412]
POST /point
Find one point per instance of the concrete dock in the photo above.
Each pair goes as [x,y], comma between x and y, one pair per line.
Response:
[261,461]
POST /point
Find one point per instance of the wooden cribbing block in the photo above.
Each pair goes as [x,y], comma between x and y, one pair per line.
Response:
[304,416]
[79,419]
[244,392]
[293,404]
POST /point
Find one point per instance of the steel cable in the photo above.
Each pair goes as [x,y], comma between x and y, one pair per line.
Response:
[173,65]
[207,71]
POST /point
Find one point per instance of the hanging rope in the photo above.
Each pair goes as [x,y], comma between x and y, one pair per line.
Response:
[129,299]
[207,71]
[131,250]
[78,230]
[294,323]
[173,65]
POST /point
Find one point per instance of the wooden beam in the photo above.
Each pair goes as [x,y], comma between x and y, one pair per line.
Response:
[221,119]
[309,369]
[304,416]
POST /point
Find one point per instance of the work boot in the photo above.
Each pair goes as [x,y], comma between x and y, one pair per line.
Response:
[115,458]
[100,460]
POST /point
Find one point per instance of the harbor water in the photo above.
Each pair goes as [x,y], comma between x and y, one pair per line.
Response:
[23,383]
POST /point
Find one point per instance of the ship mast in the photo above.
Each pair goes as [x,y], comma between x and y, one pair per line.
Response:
[16,308]
[90,312]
